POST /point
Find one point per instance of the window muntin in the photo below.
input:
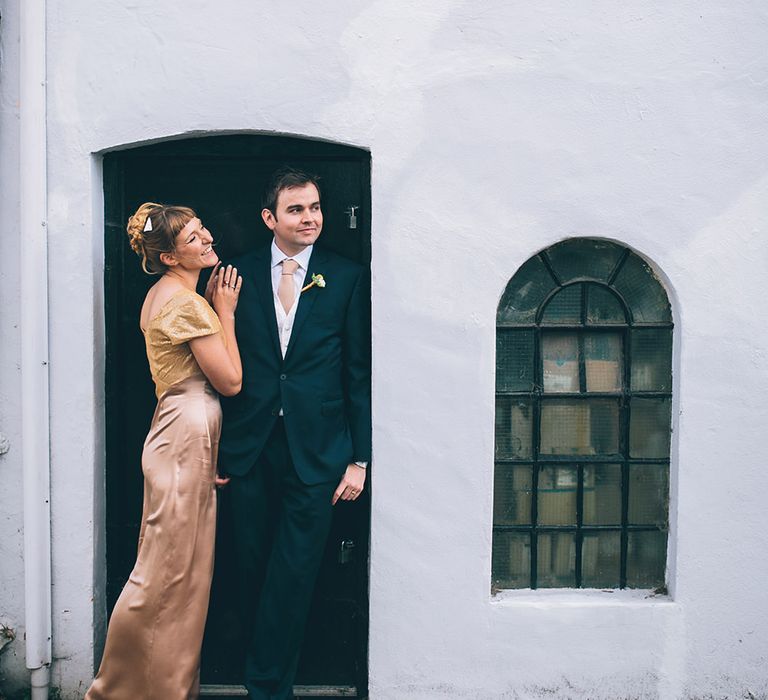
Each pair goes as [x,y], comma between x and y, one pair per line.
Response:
[583,411]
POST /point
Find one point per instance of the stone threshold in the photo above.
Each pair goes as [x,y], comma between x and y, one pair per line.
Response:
[300,691]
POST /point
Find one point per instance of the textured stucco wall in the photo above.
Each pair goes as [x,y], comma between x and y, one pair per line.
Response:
[12,673]
[496,129]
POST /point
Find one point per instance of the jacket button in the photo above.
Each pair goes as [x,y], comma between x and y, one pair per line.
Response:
[283,376]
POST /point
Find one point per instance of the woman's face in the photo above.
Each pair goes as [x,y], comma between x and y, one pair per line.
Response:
[194,246]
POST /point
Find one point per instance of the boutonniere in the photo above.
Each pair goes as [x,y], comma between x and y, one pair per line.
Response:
[317,281]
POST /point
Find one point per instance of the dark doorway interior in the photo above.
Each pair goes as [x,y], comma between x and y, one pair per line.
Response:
[222,177]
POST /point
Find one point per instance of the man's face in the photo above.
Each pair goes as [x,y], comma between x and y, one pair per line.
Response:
[298,219]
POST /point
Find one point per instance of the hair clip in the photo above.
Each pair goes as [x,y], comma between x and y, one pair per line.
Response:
[148,225]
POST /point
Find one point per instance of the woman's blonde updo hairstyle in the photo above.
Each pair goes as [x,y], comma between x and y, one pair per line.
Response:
[167,221]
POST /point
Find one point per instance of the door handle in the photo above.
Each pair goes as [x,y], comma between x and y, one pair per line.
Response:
[345,551]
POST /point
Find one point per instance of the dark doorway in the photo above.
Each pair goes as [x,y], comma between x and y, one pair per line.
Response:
[222,178]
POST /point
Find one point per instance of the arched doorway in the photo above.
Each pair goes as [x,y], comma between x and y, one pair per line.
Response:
[222,178]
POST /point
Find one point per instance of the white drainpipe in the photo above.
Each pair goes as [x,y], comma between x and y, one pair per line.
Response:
[35,435]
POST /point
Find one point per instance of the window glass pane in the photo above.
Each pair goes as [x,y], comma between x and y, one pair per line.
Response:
[560,356]
[643,292]
[602,494]
[564,307]
[603,361]
[514,360]
[557,496]
[524,293]
[603,306]
[649,427]
[648,494]
[610,351]
[601,560]
[511,560]
[584,257]
[556,560]
[512,495]
[579,427]
[646,559]
[652,359]
[513,428]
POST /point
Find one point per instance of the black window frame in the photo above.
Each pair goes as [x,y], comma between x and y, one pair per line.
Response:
[538,397]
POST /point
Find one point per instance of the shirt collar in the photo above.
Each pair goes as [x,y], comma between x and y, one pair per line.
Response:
[302,258]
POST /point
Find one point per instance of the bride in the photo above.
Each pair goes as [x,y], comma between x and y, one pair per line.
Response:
[156,629]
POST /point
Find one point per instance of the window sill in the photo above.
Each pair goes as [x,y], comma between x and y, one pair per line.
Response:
[581,598]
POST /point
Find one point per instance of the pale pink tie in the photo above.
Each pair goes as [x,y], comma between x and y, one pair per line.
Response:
[286,290]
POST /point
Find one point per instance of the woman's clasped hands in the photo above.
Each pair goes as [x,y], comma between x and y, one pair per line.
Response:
[223,289]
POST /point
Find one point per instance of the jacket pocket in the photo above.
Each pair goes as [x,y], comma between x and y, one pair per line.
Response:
[331,408]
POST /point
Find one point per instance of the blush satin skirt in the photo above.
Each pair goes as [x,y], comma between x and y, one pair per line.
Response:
[155,633]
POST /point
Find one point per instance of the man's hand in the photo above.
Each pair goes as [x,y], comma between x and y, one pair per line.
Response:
[351,484]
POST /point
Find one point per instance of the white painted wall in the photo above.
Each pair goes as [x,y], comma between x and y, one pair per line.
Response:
[496,129]
[11,514]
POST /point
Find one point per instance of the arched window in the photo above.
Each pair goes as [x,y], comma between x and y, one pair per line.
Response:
[583,410]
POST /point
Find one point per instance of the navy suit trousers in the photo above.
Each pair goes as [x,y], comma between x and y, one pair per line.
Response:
[280,528]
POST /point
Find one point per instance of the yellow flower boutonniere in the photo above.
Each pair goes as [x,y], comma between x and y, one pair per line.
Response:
[317,281]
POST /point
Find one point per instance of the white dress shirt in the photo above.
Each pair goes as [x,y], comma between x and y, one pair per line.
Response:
[285,320]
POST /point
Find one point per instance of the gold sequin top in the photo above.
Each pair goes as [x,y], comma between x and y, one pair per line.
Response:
[186,315]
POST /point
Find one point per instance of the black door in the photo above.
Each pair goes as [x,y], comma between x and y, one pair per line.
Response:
[222,178]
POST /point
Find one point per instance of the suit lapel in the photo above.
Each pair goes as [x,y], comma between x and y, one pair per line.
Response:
[306,299]
[262,282]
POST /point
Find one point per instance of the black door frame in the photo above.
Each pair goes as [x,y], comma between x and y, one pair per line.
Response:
[118,167]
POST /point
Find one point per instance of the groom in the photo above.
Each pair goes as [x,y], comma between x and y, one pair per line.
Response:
[297,439]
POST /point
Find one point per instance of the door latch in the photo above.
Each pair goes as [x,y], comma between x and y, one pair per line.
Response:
[351,215]
[345,551]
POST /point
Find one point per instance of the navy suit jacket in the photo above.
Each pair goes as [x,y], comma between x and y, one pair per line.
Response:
[323,384]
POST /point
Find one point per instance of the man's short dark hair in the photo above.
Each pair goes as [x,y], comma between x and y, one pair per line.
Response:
[283,179]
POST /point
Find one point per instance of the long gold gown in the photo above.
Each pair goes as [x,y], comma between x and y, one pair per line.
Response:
[155,633]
